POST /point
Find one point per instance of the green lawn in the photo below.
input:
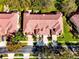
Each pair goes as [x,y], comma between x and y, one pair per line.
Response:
[18,54]
[67,34]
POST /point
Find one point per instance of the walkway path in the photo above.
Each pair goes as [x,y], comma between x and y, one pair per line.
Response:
[30,40]
[45,39]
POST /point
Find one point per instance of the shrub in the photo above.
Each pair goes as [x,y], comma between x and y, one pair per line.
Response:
[14,47]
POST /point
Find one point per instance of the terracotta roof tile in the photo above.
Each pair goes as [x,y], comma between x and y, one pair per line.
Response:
[8,22]
[75,19]
[45,21]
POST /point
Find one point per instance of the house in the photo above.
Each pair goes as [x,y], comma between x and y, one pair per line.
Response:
[75,22]
[9,23]
[43,24]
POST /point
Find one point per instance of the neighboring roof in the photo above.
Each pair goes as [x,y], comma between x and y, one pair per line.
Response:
[8,22]
[75,20]
[43,22]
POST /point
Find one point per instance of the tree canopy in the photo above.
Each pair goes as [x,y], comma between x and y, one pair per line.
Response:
[66,6]
[43,5]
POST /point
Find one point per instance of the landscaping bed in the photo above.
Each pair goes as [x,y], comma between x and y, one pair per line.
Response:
[14,47]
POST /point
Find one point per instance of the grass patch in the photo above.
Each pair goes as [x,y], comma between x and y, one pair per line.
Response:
[34,57]
[5,55]
[67,35]
[18,54]
[18,58]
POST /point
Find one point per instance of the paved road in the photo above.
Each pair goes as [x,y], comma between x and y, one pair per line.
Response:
[26,49]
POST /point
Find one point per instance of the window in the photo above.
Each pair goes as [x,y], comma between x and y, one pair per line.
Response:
[59,33]
[36,31]
[54,29]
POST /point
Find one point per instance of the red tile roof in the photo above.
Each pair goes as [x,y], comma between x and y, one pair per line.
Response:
[8,22]
[43,22]
[75,19]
